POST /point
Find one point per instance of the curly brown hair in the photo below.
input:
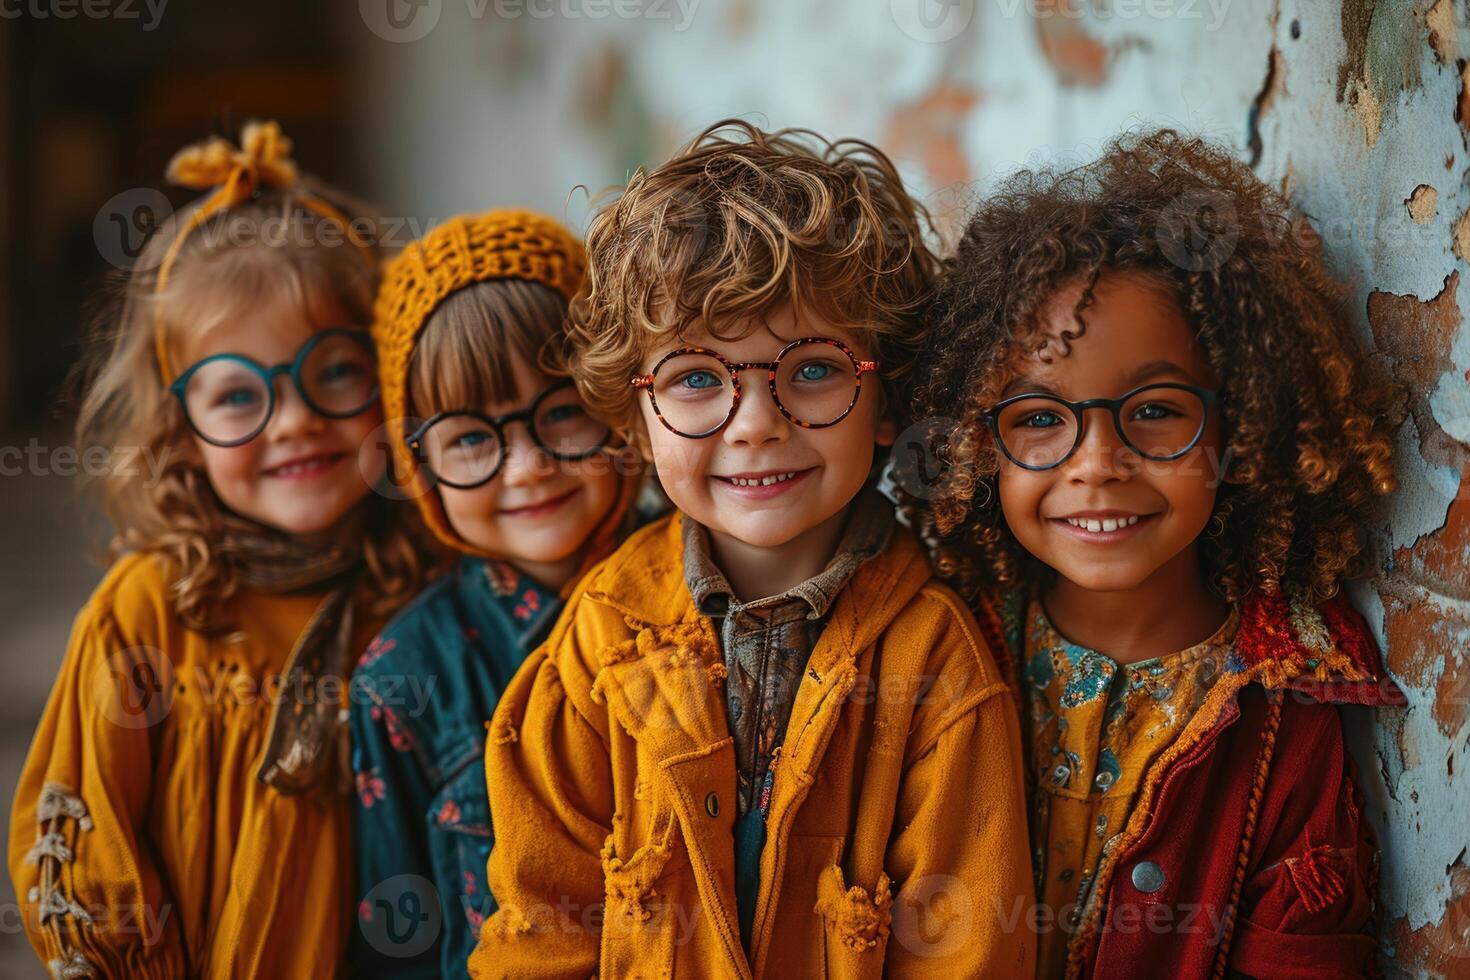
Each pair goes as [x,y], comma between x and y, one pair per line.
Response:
[739,221]
[1307,451]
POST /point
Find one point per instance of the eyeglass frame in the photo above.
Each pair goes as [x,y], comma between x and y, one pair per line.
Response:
[1210,397]
[860,367]
[526,416]
[291,368]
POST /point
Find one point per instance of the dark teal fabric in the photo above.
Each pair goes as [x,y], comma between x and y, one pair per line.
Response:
[421,696]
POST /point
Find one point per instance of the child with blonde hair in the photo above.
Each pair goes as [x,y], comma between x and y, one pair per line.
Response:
[183,807]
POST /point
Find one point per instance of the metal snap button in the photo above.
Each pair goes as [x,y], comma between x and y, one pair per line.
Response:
[712,805]
[1147,877]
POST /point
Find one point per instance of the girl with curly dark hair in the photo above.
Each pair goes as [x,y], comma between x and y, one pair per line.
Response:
[1167,445]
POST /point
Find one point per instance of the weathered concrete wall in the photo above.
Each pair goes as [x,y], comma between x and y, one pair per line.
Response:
[1358,111]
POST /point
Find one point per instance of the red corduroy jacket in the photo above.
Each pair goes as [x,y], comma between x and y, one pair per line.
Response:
[1248,853]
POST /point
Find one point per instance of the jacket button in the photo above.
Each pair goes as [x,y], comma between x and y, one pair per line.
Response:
[712,805]
[1148,877]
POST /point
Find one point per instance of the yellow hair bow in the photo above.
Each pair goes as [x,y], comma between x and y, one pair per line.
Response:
[263,158]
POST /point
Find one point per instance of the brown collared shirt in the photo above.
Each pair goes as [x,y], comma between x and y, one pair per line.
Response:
[766,642]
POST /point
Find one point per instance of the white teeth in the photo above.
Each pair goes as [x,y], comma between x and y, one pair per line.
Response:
[1106,526]
[764,481]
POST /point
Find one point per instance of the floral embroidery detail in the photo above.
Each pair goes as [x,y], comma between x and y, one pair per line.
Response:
[370,788]
[528,606]
[471,886]
[470,634]
[398,734]
[1039,669]
[448,813]
[1088,678]
[365,911]
[376,650]
[503,578]
[476,918]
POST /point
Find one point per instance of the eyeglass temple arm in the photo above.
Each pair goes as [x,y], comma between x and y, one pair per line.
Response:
[641,381]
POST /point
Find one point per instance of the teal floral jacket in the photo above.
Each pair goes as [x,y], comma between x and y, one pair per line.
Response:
[421,697]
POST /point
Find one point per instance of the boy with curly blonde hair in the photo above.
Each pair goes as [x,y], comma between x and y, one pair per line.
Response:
[763,738]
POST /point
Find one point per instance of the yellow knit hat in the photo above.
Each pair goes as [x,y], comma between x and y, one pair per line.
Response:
[461,252]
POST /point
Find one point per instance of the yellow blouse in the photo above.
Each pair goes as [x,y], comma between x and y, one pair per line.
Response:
[1096,728]
[141,843]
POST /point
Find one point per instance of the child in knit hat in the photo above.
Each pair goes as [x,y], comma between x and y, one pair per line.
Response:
[509,470]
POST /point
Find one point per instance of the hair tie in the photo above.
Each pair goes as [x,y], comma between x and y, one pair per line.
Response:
[262,159]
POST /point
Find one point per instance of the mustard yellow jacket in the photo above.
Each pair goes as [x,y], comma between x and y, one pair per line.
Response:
[141,843]
[897,837]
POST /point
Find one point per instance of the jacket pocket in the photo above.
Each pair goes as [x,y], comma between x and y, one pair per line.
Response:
[855,925]
[641,918]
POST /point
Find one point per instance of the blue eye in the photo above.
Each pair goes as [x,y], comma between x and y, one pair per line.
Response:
[470,440]
[814,371]
[562,413]
[1041,420]
[238,398]
[700,381]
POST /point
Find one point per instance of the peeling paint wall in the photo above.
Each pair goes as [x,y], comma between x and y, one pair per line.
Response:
[1359,111]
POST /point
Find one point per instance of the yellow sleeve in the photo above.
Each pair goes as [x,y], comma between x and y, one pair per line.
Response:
[960,856]
[78,856]
[548,770]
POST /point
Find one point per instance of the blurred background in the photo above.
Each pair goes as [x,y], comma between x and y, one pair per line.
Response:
[1357,110]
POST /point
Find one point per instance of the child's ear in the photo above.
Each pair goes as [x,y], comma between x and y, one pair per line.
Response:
[638,438]
[887,433]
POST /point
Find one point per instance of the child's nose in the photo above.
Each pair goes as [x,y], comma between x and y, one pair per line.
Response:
[526,463]
[292,415]
[757,419]
[1102,454]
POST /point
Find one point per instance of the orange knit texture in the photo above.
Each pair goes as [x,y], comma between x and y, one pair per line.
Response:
[463,251]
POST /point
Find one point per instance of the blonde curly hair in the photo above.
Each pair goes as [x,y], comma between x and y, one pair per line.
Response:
[170,509]
[736,223]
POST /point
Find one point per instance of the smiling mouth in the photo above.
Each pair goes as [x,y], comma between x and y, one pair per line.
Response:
[769,479]
[541,507]
[1105,525]
[306,465]
[1102,527]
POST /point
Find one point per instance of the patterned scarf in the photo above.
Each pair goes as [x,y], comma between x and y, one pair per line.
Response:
[305,731]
